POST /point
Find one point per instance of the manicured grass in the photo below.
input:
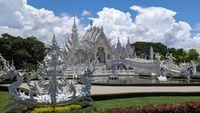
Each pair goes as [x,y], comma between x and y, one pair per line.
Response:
[4,100]
[142,101]
[115,103]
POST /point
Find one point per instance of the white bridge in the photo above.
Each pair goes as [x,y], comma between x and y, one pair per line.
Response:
[138,66]
[134,67]
[147,67]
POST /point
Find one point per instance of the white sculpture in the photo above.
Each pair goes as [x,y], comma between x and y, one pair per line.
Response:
[162,78]
[170,57]
[114,74]
[151,53]
[52,89]
[194,67]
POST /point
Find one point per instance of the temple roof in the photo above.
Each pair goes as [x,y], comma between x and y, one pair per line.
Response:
[92,36]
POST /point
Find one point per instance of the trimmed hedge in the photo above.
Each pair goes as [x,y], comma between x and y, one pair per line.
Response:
[3,88]
[6,82]
[148,84]
[142,94]
[192,107]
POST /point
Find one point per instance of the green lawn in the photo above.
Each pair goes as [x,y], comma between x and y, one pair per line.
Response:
[114,103]
[4,100]
[142,101]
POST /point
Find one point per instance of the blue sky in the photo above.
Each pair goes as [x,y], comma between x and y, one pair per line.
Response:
[176,23]
[187,10]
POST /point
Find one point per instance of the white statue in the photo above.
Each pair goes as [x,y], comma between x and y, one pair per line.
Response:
[52,93]
[194,67]
[157,56]
[170,57]
[151,53]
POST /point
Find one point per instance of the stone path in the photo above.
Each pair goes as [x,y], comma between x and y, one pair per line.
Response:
[132,89]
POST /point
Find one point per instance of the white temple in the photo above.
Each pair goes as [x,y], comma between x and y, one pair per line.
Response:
[95,44]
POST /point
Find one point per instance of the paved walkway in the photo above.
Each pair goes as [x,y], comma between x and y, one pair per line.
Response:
[132,89]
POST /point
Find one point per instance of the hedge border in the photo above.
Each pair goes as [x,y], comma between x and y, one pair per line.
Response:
[3,88]
[149,84]
[141,94]
[6,82]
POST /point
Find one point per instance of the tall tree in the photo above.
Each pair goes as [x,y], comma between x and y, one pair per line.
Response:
[25,53]
[142,50]
[192,55]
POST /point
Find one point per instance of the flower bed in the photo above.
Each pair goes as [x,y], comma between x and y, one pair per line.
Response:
[192,107]
[61,109]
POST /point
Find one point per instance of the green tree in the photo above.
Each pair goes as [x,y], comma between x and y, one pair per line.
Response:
[25,52]
[192,55]
[142,50]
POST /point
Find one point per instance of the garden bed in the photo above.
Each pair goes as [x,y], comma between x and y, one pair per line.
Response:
[191,107]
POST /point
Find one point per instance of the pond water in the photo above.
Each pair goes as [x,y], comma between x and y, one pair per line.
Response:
[140,80]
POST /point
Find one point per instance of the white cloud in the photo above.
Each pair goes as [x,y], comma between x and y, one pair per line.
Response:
[115,23]
[155,24]
[150,24]
[160,25]
[85,13]
[19,18]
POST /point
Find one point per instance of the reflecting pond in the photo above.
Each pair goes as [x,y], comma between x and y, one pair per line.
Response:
[140,80]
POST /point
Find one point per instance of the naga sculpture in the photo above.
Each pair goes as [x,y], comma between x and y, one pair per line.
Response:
[52,87]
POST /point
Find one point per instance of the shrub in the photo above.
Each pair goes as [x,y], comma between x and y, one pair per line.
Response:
[98,97]
[192,107]
[60,109]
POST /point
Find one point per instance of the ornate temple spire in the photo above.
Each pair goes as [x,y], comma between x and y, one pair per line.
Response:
[119,50]
[72,40]
[54,42]
[119,45]
[74,28]
[128,43]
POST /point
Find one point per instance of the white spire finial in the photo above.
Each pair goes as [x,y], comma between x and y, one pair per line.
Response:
[54,39]
[74,24]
